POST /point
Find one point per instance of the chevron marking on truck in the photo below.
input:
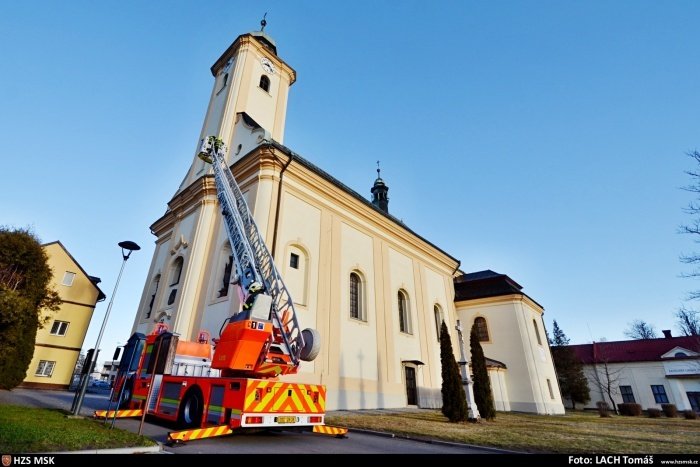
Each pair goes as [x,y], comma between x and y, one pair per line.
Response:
[119,413]
[276,397]
[199,433]
[330,430]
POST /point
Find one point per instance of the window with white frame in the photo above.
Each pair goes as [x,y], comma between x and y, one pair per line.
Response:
[68,278]
[153,292]
[404,312]
[627,394]
[45,368]
[59,328]
[659,392]
[357,297]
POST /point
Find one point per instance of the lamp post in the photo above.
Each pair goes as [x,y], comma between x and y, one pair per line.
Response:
[127,248]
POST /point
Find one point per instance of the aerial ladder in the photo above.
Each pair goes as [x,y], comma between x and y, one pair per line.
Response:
[214,386]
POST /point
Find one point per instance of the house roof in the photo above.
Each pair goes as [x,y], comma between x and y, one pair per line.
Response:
[641,350]
[483,284]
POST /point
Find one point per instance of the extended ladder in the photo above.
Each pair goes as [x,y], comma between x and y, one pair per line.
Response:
[253,260]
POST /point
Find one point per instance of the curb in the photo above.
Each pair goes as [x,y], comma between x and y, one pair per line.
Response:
[434,441]
[158,449]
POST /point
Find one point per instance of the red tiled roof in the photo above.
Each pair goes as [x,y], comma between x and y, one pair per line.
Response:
[642,350]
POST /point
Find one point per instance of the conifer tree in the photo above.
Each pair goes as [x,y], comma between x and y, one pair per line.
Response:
[482,385]
[572,381]
[454,401]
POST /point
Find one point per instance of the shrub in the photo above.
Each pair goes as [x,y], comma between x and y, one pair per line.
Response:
[654,413]
[690,414]
[603,408]
[669,410]
[630,409]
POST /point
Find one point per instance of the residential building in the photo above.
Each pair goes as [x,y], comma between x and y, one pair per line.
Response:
[59,342]
[649,372]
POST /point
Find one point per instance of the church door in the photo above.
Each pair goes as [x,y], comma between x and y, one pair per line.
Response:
[411,391]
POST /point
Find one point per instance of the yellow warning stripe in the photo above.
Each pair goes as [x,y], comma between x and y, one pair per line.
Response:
[119,413]
[273,400]
[329,430]
[200,433]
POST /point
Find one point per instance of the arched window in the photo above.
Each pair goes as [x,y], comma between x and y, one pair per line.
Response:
[224,82]
[482,330]
[357,297]
[537,332]
[153,291]
[226,278]
[176,272]
[265,83]
[437,311]
[404,313]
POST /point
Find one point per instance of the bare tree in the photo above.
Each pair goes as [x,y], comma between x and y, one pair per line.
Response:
[639,329]
[688,321]
[606,378]
[693,228]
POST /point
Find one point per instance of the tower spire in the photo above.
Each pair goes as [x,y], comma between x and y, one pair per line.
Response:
[380,192]
[263,22]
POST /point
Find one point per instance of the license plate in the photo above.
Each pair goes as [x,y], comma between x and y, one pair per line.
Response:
[286,419]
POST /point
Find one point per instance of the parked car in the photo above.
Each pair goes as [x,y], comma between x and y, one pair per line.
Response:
[99,384]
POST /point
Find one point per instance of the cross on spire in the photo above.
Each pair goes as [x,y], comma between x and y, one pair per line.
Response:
[263,23]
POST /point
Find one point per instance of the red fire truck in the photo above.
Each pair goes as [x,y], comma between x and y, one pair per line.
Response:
[213,386]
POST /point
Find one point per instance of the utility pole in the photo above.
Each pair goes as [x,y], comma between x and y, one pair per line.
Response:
[472,410]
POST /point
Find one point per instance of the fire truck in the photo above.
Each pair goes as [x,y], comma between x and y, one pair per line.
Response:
[210,387]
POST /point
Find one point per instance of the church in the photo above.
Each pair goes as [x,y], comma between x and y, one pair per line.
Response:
[374,289]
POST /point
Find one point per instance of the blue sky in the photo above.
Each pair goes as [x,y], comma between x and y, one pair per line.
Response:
[545,140]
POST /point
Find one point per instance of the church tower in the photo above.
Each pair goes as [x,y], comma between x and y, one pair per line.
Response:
[250,82]
[188,285]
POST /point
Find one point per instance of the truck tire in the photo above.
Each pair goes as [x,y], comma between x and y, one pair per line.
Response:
[312,344]
[191,409]
[127,392]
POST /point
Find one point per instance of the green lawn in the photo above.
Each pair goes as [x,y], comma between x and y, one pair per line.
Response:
[24,429]
[572,433]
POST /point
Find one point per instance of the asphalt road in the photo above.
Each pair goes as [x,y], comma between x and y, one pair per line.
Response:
[248,443]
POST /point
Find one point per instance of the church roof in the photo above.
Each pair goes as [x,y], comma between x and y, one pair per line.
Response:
[483,284]
[640,350]
[323,174]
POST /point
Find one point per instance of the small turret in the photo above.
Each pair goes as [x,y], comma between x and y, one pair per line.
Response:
[380,192]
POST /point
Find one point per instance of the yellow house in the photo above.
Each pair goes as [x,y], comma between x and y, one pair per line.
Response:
[59,342]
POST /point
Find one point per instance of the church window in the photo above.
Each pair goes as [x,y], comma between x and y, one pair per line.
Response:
[551,391]
[482,330]
[175,279]
[265,83]
[437,311]
[226,278]
[404,313]
[224,82]
[154,290]
[537,332]
[357,297]
[297,274]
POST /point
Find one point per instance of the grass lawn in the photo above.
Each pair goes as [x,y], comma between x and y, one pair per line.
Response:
[572,433]
[26,429]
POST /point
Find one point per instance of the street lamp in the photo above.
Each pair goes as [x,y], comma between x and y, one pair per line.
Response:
[127,248]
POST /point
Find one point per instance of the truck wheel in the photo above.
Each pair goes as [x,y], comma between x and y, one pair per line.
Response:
[191,409]
[126,395]
[312,344]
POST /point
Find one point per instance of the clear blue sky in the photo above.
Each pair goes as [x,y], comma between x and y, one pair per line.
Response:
[545,140]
